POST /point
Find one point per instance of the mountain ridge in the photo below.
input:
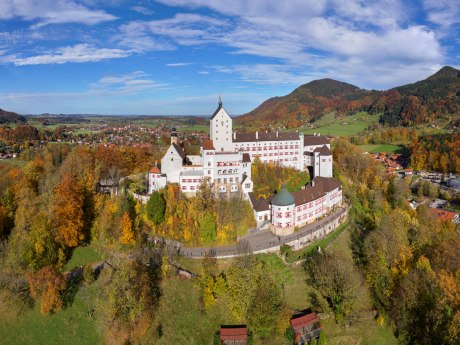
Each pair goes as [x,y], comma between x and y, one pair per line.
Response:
[11,117]
[419,102]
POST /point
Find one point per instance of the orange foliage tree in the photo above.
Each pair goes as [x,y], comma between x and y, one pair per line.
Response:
[68,211]
[48,285]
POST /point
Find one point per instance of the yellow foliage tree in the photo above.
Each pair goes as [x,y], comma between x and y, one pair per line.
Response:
[127,235]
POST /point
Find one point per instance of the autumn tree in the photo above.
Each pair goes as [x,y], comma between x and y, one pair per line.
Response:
[127,235]
[68,211]
[335,279]
[132,296]
[265,307]
[48,286]
[242,283]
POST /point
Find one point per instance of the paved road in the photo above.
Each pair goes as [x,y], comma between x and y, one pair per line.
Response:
[263,240]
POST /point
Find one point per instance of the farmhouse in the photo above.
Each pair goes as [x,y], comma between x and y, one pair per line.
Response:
[306,328]
[225,164]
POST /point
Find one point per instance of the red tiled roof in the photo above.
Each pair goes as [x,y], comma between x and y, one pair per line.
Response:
[208,145]
[233,333]
[155,170]
[442,214]
[304,320]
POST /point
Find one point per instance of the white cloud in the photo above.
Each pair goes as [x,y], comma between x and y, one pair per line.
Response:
[258,8]
[443,12]
[143,10]
[179,64]
[52,12]
[73,54]
[131,83]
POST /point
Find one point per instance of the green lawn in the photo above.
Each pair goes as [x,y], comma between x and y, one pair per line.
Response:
[342,126]
[73,325]
[82,256]
[323,243]
[194,128]
[388,148]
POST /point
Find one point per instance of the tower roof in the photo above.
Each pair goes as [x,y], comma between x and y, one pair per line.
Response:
[283,198]
[218,108]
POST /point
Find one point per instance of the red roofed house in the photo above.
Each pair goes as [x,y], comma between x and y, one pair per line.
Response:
[306,328]
[234,335]
[445,215]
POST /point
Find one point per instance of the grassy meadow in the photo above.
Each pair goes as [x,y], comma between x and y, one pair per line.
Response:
[342,126]
[388,148]
[180,316]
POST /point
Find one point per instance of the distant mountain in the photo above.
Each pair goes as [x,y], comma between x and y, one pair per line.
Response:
[10,117]
[420,102]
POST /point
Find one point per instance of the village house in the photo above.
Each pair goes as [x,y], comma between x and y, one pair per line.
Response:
[444,215]
[233,335]
[306,328]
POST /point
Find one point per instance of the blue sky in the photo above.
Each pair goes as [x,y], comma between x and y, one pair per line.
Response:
[176,56]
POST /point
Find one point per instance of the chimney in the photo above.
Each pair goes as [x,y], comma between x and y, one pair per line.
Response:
[312,183]
[257,135]
[234,135]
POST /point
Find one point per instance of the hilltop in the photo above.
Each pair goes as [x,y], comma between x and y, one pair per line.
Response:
[421,102]
[11,117]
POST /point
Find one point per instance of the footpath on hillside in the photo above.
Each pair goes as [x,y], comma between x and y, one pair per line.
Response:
[263,240]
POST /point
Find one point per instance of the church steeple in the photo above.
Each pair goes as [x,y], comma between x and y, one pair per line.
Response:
[220,101]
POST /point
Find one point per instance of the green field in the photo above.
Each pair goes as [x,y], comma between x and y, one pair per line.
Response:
[341,126]
[388,148]
[82,256]
[180,315]
[73,325]
[323,243]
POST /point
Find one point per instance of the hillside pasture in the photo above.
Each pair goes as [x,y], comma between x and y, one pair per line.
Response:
[341,126]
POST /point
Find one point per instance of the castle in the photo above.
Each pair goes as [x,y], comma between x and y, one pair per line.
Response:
[225,164]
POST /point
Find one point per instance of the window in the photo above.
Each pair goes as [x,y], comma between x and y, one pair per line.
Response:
[209,172]
[247,185]
[231,179]
[172,159]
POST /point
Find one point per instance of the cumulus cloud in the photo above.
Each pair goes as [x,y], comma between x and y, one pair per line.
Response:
[72,54]
[52,12]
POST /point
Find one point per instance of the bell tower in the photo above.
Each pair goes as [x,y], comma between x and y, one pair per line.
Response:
[221,127]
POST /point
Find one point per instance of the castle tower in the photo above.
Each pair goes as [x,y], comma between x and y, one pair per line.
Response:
[221,128]
[174,137]
[283,212]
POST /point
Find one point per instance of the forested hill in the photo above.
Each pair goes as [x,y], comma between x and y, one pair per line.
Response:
[10,117]
[420,102]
